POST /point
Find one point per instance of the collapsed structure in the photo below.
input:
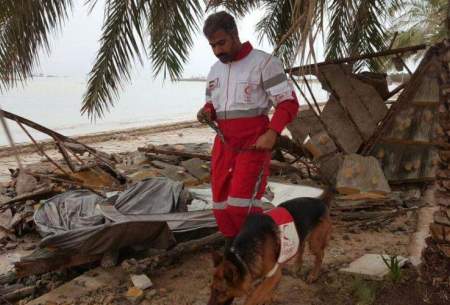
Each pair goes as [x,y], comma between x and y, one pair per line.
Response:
[360,142]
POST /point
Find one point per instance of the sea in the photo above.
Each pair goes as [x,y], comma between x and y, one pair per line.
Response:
[55,102]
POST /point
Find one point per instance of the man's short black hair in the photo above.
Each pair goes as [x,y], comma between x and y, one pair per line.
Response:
[219,21]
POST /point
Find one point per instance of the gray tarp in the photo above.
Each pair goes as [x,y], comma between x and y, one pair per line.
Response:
[86,223]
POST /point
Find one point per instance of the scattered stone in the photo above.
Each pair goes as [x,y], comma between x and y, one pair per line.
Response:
[110,259]
[371,266]
[144,174]
[345,237]
[25,183]
[135,295]
[197,168]
[5,218]
[135,158]
[11,246]
[141,281]
[176,173]
[150,294]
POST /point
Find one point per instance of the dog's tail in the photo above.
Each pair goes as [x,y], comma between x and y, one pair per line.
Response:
[327,196]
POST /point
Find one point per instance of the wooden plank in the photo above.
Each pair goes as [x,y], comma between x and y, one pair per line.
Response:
[425,103]
[348,98]
[341,127]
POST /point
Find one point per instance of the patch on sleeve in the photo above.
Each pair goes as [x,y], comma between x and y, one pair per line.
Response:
[213,84]
[283,97]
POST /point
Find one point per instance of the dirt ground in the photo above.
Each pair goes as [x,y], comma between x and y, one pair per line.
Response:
[186,281]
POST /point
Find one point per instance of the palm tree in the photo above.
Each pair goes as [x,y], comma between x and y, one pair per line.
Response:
[162,31]
[420,21]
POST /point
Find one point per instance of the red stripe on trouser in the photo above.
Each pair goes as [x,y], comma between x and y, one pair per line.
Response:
[234,174]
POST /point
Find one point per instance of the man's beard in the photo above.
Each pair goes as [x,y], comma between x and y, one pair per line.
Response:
[225,57]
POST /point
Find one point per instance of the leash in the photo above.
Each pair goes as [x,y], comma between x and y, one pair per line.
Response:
[221,136]
[219,133]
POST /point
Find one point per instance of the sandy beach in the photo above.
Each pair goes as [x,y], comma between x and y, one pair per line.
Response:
[113,142]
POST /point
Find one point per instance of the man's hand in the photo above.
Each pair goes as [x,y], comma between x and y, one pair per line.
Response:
[267,140]
[203,116]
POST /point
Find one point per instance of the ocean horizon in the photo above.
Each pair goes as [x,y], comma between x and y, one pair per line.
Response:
[55,102]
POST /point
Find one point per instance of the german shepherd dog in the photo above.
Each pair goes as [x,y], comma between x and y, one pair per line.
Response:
[250,266]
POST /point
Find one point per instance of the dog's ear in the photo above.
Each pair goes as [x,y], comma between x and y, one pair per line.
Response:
[217,258]
[230,272]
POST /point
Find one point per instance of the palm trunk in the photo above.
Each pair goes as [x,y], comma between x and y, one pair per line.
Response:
[448,19]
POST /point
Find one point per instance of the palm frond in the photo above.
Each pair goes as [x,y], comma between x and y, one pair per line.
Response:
[121,43]
[171,25]
[238,8]
[25,27]
[340,13]
[420,22]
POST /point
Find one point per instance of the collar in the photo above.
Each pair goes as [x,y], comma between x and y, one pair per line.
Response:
[239,258]
[246,48]
[273,271]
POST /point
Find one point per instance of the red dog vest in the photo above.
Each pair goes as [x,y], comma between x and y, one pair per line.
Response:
[289,239]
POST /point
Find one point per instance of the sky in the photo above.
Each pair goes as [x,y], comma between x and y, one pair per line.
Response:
[74,47]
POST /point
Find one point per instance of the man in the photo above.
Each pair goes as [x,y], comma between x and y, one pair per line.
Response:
[241,88]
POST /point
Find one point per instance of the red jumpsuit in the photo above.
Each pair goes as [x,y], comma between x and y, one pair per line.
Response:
[239,96]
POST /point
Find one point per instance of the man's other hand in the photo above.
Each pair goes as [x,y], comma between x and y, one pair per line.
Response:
[203,116]
[267,140]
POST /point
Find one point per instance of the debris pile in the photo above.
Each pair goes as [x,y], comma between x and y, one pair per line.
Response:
[374,211]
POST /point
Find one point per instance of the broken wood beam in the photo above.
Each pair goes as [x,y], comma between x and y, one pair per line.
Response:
[55,135]
[65,155]
[36,195]
[152,262]
[274,166]
[39,148]
[397,89]
[306,69]
[46,262]
[156,150]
